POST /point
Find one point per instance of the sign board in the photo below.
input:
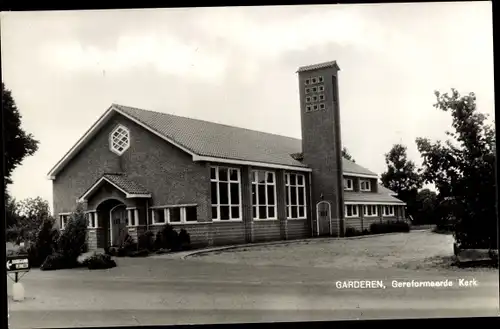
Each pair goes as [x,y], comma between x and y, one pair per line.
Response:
[18,263]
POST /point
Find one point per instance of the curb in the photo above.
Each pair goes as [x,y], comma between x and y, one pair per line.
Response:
[281,242]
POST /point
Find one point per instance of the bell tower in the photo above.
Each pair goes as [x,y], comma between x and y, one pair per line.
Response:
[321,138]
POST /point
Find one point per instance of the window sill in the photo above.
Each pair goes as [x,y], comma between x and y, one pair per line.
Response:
[370,216]
[93,228]
[180,223]
[227,220]
[265,219]
[300,218]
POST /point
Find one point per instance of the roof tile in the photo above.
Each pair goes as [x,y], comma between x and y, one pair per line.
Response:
[228,142]
[370,197]
[126,184]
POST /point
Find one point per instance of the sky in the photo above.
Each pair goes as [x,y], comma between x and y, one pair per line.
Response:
[236,65]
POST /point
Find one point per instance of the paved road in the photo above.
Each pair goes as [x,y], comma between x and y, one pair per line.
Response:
[146,291]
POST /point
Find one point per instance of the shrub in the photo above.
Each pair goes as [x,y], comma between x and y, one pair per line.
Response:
[184,240]
[146,241]
[127,246]
[58,261]
[158,243]
[72,241]
[350,231]
[169,238]
[43,242]
[366,232]
[389,227]
[99,261]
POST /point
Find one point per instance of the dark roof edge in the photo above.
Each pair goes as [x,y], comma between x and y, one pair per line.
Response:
[318,66]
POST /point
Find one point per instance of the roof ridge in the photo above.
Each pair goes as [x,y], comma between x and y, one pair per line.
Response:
[206,121]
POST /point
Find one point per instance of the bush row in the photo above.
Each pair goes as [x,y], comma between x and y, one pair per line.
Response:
[166,239]
[379,228]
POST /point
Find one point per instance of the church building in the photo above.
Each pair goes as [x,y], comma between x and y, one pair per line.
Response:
[136,170]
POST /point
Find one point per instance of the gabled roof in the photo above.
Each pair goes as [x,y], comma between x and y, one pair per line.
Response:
[120,181]
[209,141]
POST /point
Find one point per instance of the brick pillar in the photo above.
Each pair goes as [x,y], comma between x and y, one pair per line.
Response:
[246,200]
[281,203]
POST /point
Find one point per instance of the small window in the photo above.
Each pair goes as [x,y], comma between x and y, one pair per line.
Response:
[348,184]
[388,210]
[315,107]
[370,211]
[364,185]
[314,89]
[133,216]
[315,98]
[175,215]
[321,97]
[158,216]
[351,211]
[92,219]
[313,80]
[320,79]
[191,214]
[308,99]
[308,90]
[321,88]
[322,106]
[63,219]
[307,81]
[120,140]
[308,108]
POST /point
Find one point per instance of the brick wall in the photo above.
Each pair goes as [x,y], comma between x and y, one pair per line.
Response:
[167,172]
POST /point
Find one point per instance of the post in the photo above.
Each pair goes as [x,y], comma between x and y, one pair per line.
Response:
[17,289]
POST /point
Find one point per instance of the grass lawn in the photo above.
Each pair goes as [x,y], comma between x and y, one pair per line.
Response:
[413,251]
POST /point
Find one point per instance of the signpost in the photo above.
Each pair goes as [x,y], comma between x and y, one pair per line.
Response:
[18,264]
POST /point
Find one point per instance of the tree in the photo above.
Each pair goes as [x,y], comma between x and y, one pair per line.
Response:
[426,205]
[73,240]
[31,213]
[11,214]
[18,144]
[402,177]
[347,155]
[463,170]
